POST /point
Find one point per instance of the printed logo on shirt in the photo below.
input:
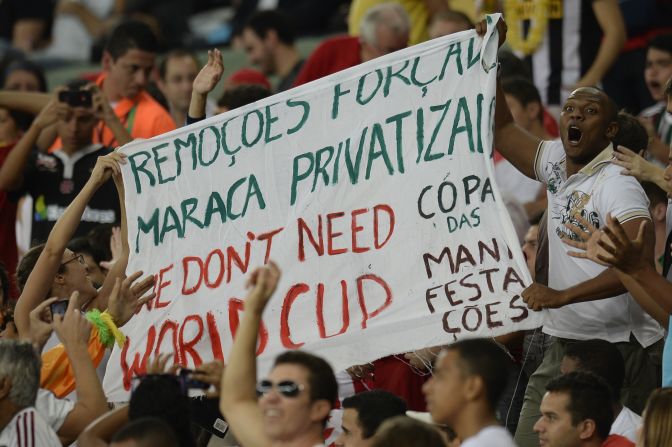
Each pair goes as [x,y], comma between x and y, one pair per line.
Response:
[40,209]
[46,163]
[576,203]
[554,171]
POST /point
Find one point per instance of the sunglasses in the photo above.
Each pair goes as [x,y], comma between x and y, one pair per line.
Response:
[287,388]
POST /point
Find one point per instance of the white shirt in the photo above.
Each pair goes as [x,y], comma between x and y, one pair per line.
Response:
[28,429]
[626,424]
[493,436]
[53,409]
[514,183]
[593,192]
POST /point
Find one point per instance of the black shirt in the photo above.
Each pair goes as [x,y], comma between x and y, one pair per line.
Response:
[53,180]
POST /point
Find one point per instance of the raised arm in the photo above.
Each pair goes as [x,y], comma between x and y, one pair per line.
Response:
[41,278]
[100,432]
[610,19]
[204,83]
[103,111]
[31,102]
[11,172]
[238,400]
[73,331]
[516,144]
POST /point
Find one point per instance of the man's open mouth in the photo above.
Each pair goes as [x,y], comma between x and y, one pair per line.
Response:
[574,134]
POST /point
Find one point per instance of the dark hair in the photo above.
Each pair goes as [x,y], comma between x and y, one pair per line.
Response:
[4,284]
[662,42]
[453,16]
[602,359]
[512,67]
[654,193]
[589,398]
[403,431]
[175,54]
[152,431]
[83,246]
[242,95]
[668,88]
[130,35]
[30,67]
[321,377]
[99,240]
[485,359]
[524,91]
[263,21]
[373,408]
[27,264]
[160,396]
[631,133]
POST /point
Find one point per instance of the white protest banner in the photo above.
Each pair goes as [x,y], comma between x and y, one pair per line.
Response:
[370,188]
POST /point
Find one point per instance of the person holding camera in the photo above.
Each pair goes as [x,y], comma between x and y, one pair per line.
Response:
[54,179]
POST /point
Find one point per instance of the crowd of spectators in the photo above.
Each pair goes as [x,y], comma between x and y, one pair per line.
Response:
[583,128]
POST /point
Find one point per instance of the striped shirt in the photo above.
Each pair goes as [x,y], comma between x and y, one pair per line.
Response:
[662,121]
[568,49]
[28,429]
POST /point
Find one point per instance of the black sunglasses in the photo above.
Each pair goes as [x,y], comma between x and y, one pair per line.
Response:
[287,388]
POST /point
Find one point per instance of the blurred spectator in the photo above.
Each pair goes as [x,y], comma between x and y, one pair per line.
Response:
[525,105]
[449,22]
[644,19]
[403,431]
[419,11]
[658,71]
[9,135]
[145,432]
[604,360]
[166,18]
[78,24]
[268,38]
[241,95]
[20,378]
[384,29]
[92,259]
[25,24]
[25,76]
[177,72]
[570,45]
[247,76]
[53,180]
[364,412]
[657,427]
[4,288]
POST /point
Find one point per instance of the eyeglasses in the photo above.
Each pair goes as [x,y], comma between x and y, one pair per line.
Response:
[78,257]
[287,388]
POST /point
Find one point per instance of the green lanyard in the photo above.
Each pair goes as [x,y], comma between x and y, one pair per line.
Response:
[131,118]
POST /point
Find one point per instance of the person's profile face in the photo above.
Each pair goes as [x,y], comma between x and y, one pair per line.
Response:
[444,391]
[554,427]
[351,434]
[258,51]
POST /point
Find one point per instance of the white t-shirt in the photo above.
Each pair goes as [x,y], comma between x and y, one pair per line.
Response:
[516,184]
[494,436]
[626,424]
[593,192]
[28,429]
[53,409]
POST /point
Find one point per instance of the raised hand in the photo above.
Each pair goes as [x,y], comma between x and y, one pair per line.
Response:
[116,247]
[626,255]
[210,74]
[210,373]
[127,297]
[106,167]
[634,164]
[588,240]
[40,323]
[263,282]
[538,296]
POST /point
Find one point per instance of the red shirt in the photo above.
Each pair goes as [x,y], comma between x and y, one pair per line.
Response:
[8,251]
[332,55]
[617,441]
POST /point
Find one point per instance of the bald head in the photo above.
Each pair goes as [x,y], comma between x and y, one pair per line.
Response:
[599,96]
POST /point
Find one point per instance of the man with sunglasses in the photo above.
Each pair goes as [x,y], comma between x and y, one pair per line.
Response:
[291,406]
